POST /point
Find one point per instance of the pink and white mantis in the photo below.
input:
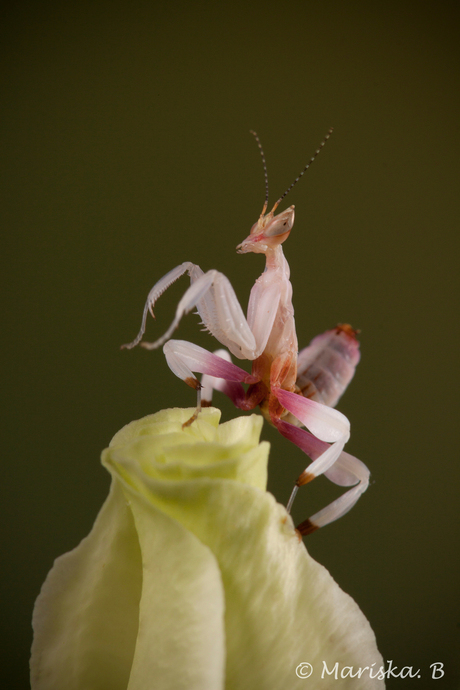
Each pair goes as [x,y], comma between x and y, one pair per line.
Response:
[292,389]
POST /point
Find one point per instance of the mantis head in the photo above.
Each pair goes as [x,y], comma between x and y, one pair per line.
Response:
[269,232]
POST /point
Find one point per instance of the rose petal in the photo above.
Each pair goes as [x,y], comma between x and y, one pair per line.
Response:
[86,617]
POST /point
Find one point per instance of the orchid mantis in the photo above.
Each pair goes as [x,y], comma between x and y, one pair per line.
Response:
[292,389]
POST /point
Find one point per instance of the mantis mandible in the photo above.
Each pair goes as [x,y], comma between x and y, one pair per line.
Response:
[292,389]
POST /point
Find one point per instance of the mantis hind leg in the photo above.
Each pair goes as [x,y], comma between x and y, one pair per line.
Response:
[330,431]
[339,467]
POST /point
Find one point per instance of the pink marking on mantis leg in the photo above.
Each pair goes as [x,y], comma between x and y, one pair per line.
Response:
[326,455]
[324,422]
[344,470]
[184,358]
[311,446]
[232,389]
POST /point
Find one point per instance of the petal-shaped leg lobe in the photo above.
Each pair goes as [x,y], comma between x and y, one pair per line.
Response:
[323,421]
[183,358]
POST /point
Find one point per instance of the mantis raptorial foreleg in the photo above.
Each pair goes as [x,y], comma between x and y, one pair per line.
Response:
[221,314]
[157,290]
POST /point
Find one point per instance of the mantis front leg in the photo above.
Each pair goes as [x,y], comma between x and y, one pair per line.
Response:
[157,290]
[215,299]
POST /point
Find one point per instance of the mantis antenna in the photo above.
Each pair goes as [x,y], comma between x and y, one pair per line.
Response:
[265,171]
[302,173]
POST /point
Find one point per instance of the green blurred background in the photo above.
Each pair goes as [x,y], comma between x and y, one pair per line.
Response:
[125,151]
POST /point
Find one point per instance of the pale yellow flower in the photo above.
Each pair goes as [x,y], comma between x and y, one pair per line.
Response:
[193,577]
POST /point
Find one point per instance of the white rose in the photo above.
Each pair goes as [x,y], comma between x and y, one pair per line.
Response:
[193,577]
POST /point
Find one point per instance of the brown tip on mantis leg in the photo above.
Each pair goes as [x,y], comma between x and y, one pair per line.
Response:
[305,528]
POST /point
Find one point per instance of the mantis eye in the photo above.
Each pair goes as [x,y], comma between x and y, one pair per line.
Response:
[280,224]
